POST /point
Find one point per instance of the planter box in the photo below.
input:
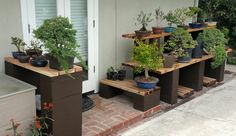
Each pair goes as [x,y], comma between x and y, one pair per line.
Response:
[17,101]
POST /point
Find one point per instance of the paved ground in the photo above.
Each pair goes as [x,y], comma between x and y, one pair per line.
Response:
[212,114]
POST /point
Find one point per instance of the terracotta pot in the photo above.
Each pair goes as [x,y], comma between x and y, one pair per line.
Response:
[157,30]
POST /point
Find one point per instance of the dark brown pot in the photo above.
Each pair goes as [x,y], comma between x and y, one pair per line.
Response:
[169,60]
[140,33]
[157,30]
[23,58]
[32,52]
[54,63]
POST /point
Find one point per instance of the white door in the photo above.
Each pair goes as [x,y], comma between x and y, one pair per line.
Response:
[82,14]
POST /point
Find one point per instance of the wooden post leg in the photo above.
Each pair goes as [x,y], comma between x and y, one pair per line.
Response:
[144,103]
[107,92]
[192,76]
[168,83]
[217,73]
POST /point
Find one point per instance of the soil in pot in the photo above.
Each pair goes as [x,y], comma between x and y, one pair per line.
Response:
[169,29]
[187,58]
[157,30]
[198,51]
[32,52]
[54,63]
[169,60]
[23,58]
[145,83]
[140,33]
[16,54]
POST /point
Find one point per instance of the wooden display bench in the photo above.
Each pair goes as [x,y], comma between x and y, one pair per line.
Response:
[142,99]
[54,86]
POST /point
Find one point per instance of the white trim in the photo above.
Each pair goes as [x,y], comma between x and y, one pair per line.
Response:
[24,20]
[60,8]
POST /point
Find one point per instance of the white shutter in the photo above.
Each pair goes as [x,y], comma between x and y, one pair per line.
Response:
[45,9]
[79,20]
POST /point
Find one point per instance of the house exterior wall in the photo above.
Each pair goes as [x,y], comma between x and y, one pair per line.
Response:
[10,25]
[117,17]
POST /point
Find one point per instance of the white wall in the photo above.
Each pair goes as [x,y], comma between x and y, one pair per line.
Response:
[10,25]
[117,17]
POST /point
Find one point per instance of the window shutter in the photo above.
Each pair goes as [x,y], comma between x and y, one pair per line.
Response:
[79,20]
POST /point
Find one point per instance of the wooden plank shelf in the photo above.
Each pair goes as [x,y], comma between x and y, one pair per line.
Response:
[129,86]
[156,36]
[42,70]
[207,81]
[184,92]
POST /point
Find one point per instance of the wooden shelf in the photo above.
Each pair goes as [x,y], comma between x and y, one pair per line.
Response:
[156,36]
[42,70]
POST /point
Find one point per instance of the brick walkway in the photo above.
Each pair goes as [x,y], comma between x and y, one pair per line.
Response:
[110,116]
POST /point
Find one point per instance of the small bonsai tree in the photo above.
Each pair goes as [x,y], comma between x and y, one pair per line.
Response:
[144,19]
[182,14]
[214,41]
[193,11]
[19,43]
[149,57]
[159,16]
[180,41]
[59,39]
[170,18]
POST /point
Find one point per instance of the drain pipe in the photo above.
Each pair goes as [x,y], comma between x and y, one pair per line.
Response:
[195,3]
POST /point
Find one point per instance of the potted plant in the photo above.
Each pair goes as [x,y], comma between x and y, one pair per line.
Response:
[112,74]
[20,54]
[169,60]
[143,19]
[170,18]
[34,48]
[149,57]
[181,43]
[159,16]
[213,41]
[193,11]
[59,39]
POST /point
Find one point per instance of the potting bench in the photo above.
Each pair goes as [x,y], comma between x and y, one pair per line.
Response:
[54,86]
[143,99]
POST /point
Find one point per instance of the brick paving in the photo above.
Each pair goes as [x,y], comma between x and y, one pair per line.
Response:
[112,115]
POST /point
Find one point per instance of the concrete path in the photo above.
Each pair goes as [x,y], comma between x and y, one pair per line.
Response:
[212,114]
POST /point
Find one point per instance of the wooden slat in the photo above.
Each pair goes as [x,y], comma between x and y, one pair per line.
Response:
[128,85]
[207,81]
[184,92]
[155,36]
[42,70]
[175,66]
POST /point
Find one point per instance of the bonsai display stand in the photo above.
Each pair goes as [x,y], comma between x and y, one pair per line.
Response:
[56,87]
[142,99]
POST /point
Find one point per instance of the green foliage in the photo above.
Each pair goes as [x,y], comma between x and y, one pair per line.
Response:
[231,60]
[220,56]
[209,8]
[19,43]
[59,39]
[159,15]
[148,55]
[170,18]
[144,19]
[210,38]
[180,40]
[181,15]
[193,11]
[35,45]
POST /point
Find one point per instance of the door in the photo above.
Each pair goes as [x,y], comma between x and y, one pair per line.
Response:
[82,14]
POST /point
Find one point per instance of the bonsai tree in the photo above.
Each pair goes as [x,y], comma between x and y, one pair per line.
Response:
[181,43]
[214,42]
[193,11]
[149,57]
[170,18]
[144,19]
[159,16]
[59,39]
[34,48]
[19,43]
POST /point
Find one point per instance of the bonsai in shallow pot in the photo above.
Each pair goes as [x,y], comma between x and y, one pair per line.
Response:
[149,57]
[159,16]
[143,19]
[193,11]
[181,43]
[171,19]
[34,48]
[19,44]
[59,39]
[213,41]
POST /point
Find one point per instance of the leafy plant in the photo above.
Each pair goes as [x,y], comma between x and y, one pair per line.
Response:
[144,19]
[193,11]
[214,42]
[180,40]
[35,45]
[159,16]
[148,55]
[209,7]
[19,43]
[59,39]
[170,18]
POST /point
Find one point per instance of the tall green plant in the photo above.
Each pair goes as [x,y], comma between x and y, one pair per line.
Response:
[148,55]
[59,39]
